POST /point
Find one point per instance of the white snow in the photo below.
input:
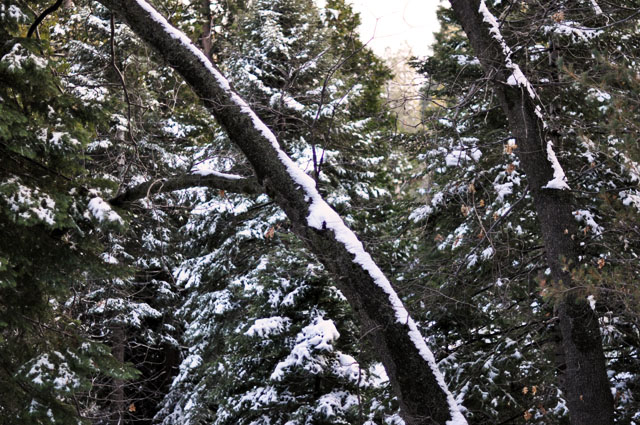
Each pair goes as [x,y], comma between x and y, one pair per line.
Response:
[592,302]
[600,95]
[462,154]
[421,213]
[586,217]
[204,171]
[348,367]
[322,216]
[574,30]
[102,211]
[268,326]
[57,139]
[466,60]
[171,127]
[39,368]
[559,180]
[14,13]
[66,379]
[472,260]
[316,337]
[631,197]
[487,253]
[596,7]
[29,203]
[503,190]
[517,77]
[108,258]
[287,101]
[18,56]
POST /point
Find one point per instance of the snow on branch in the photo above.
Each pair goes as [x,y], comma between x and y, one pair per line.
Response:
[559,180]
[295,192]
[517,77]
[103,212]
[596,7]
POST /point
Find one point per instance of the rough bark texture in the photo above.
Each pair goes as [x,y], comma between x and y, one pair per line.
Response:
[584,381]
[244,185]
[205,38]
[422,400]
[118,339]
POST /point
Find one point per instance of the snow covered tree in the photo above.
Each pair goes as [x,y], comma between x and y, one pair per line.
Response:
[135,129]
[270,340]
[159,216]
[420,388]
[47,220]
[481,207]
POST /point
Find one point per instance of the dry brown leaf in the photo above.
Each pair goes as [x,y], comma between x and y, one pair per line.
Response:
[269,234]
[558,16]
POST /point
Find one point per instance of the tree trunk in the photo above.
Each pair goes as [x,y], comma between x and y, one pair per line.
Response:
[414,376]
[225,182]
[118,340]
[205,38]
[584,381]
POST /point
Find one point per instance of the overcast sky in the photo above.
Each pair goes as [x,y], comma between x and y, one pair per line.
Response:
[391,24]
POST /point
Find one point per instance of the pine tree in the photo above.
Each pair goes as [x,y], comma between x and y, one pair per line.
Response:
[270,339]
[478,207]
[48,214]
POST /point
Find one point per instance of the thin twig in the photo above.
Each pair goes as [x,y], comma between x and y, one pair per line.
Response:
[122,81]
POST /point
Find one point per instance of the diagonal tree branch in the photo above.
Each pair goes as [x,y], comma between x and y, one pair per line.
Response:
[227,182]
[418,384]
[43,15]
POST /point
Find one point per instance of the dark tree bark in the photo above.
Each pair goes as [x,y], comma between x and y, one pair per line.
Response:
[118,340]
[412,371]
[205,38]
[584,380]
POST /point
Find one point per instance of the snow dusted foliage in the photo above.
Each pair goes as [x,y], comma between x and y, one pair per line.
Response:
[491,302]
[270,340]
[126,299]
[48,244]
[229,319]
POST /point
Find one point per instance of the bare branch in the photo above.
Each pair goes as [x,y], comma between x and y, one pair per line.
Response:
[227,182]
[43,15]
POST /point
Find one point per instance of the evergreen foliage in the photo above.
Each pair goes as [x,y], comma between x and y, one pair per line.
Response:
[292,356]
[493,308]
[48,242]
[201,306]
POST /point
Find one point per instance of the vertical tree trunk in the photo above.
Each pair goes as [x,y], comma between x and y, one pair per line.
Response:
[206,29]
[584,381]
[118,340]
